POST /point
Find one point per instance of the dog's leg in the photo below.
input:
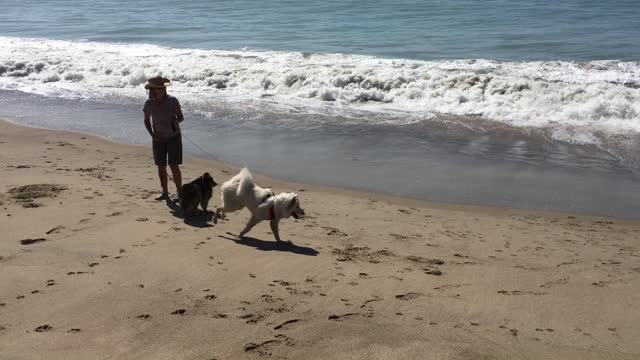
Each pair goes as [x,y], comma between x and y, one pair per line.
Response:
[204,203]
[274,229]
[216,215]
[189,209]
[252,222]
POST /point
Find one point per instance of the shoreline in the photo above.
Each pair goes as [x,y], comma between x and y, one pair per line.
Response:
[363,194]
[91,264]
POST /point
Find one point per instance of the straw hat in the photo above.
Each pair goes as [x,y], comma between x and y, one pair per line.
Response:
[157,82]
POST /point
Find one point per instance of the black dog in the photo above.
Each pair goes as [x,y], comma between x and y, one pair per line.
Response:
[199,191]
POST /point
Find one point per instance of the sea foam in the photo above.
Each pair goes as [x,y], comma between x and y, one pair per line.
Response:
[573,100]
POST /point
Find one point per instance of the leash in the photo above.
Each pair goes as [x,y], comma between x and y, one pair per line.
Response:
[198,147]
[211,157]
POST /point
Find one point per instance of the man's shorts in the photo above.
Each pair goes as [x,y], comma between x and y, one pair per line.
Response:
[170,149]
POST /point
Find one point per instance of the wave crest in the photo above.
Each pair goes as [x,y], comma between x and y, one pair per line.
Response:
[598,96]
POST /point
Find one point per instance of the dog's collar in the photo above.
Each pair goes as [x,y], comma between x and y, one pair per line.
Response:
[272,213]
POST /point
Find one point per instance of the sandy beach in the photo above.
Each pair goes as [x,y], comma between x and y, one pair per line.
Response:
[91,267]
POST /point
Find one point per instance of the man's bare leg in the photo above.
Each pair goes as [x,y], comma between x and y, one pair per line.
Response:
[177,176]
[162,174]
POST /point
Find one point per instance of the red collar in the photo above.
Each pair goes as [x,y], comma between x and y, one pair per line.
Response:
[272,213]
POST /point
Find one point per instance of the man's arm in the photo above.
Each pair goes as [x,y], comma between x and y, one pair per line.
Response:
[147,122]
[179,116]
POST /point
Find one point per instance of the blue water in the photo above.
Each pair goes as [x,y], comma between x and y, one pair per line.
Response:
[507,30]
[533,118]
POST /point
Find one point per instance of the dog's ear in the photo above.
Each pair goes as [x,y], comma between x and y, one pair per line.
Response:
[293,201]
[209,180]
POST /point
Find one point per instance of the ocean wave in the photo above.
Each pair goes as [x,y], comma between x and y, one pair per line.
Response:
[576,100]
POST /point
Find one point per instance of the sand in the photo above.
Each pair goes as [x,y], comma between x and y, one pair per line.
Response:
[91,267]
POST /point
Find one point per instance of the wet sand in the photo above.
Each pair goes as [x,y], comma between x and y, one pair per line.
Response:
[92,267]
[475,163]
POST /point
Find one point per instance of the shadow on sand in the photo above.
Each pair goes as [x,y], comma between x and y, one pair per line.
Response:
[263,245]
[199,219]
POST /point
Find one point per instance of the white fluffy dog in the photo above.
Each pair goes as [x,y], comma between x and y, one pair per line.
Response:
[240,191]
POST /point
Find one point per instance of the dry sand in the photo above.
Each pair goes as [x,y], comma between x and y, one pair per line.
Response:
[109,273]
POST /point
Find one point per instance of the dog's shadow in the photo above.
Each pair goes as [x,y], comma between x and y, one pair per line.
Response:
[263,245]
[199,219]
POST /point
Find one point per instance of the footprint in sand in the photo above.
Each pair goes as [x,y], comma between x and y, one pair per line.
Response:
[143,316]
[251,318]
[408,296]
[284,324]
[179,312]
[75,272]
[553,283]
[432,271]
[55,230]
[43,328]
[73,330]
[518,292]
[250,347]
[343,316]
[264,348]
[367,302]
[334,232]
[32,241]
[31,205]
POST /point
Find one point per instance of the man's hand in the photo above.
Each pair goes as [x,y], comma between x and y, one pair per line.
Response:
[147,124]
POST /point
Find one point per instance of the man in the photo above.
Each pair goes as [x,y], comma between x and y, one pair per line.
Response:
[162,116]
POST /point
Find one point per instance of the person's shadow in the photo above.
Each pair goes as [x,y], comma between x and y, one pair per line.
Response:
[199,219]
[263,245]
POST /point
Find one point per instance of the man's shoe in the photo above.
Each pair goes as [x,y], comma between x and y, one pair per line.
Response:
[163,196]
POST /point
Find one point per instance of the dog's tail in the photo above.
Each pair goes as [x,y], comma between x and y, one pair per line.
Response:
[246,182]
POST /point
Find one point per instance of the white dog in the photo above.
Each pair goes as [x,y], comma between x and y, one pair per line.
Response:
[240,191]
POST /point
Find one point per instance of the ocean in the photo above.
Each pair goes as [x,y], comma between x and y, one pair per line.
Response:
[525,104]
